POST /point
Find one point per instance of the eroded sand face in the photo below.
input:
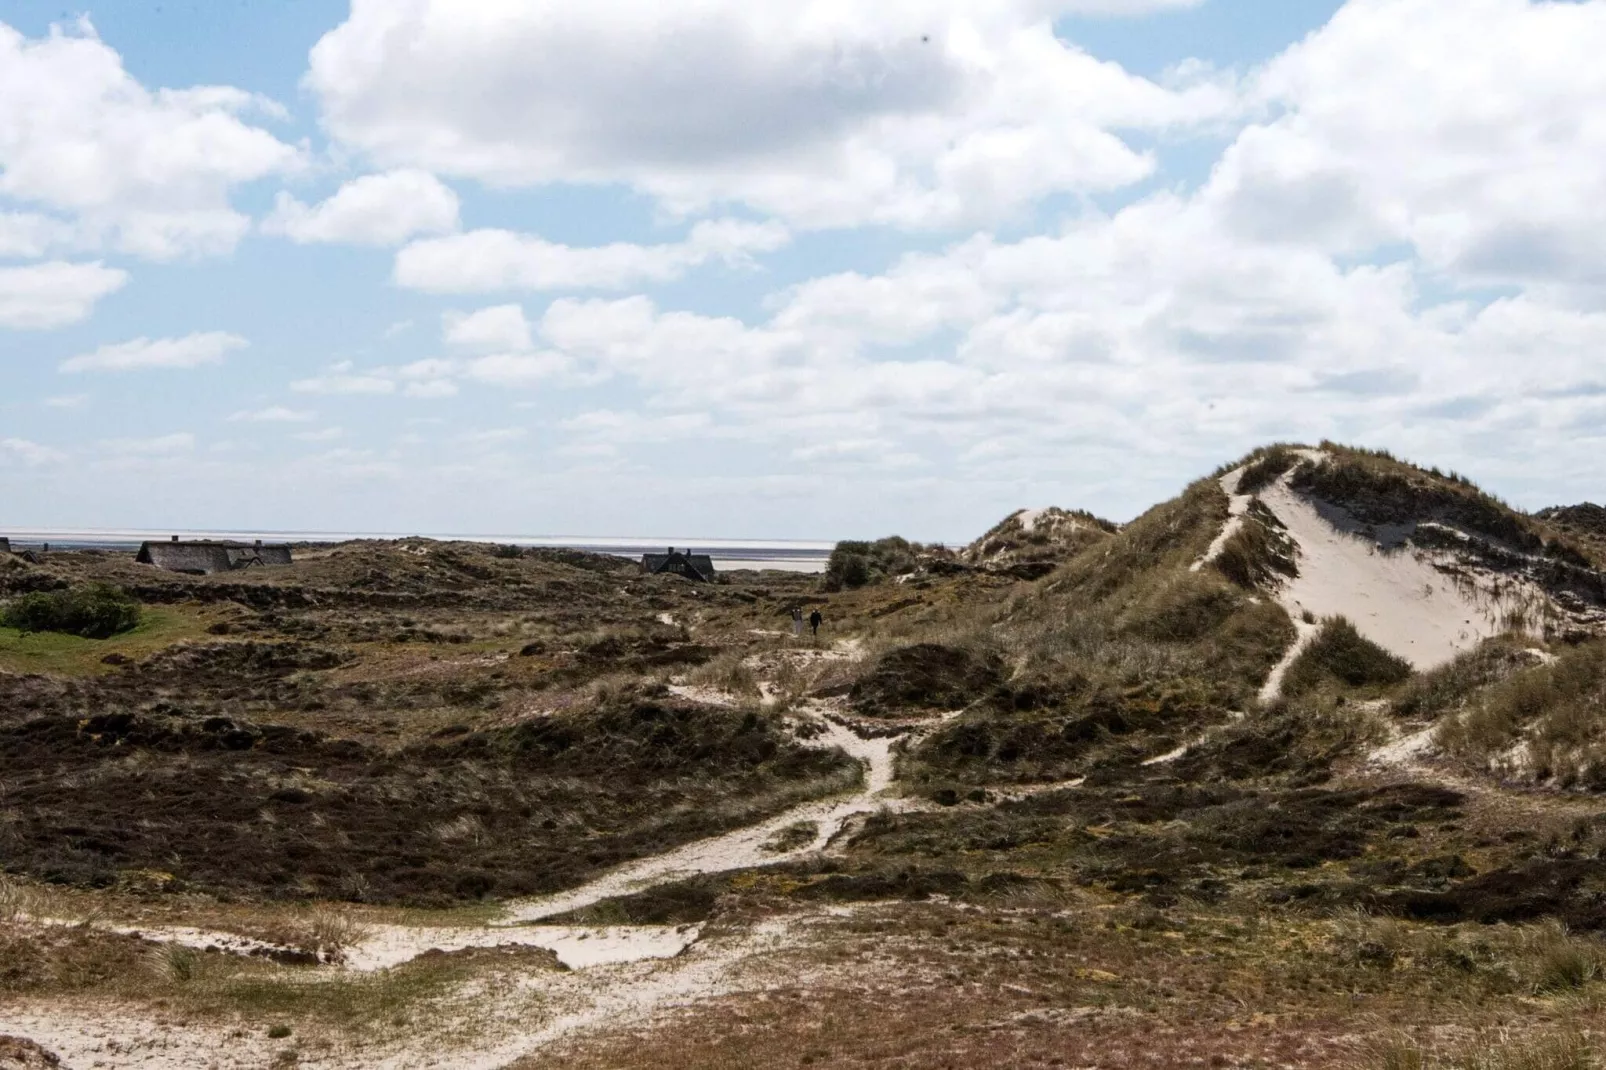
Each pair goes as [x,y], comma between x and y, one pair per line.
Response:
[1401,600]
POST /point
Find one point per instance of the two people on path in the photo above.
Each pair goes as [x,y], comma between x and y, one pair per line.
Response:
[815,620]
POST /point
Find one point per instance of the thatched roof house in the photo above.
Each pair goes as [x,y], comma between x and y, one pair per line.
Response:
[5,545]
[696,567]
[203,558]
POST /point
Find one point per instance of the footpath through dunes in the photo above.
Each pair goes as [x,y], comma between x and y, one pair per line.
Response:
[630,970]
[1023,814]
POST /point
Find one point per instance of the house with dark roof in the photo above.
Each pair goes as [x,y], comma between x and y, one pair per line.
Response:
[696,567]
[206,557]
[5,545]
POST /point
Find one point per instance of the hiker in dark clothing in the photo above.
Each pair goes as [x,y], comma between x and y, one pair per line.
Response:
[815,620]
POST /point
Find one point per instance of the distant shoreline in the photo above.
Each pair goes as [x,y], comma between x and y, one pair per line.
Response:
[787,555]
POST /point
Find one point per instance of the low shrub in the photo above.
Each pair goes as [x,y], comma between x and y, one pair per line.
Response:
[856,564]
[1266,469]
[93,611]
[1341,653]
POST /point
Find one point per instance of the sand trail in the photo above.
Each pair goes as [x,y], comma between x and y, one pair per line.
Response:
[742,849]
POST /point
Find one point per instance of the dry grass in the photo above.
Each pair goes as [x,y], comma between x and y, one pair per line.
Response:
[1554,710]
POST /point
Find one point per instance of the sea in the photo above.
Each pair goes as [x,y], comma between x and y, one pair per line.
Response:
[728,554]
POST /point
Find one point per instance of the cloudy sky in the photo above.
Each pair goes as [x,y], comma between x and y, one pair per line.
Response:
[812,269]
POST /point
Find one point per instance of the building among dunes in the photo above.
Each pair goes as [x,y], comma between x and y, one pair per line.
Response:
[5,545]
[696,567]
[203,558]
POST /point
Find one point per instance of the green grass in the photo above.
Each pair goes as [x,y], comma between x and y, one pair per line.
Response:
[68,655]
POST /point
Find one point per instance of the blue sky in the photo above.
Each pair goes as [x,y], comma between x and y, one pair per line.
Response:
[807,271]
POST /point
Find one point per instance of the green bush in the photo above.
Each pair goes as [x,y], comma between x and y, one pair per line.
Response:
[93,611]
[855,563]
[1342,653]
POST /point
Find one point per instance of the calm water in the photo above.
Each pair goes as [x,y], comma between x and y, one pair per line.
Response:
[793,556]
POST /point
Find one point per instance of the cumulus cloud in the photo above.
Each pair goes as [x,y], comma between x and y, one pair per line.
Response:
[54,294]
[1492,171]
[823,113]
[385,209]
[156,446]
[342,379]
[275,414]
[148,172]
[499,327]
[29,234]
[191,351]
[488,260]
[30,453]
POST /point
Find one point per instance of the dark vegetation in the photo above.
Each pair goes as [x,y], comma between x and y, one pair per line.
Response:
[856,564]
[925,678]
[90,611]
[1341,654]
[260,810]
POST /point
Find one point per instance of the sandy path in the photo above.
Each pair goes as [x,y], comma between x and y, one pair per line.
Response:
[1237,506]
[618,974]
[742,849]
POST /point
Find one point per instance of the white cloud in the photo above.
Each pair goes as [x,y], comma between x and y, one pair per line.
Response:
[67,401]
[1471,139]
[29,234]
[822,112]
[54,294]
[30,453]
[275,414]
[430,389]
[384,209]
[191,351]
[341,380]
[518,369]
[501,327]
[487,260]
[495,437]
[327,434]
[161,445]
[148,172]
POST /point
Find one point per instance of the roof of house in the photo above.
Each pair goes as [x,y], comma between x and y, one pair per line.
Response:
[5,545]
[207,557]
[679,562]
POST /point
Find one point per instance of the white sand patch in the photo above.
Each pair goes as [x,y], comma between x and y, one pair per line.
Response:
[1398,600]
[1028,518]
[1406,752]
[708,696]
[741,849]
[1237,506]
[1274,682]
[1171,755]
[667,618]
[577,947]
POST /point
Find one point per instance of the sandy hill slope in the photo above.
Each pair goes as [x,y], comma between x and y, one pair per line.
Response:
[1297,572]
[1424,565]
[1037,539]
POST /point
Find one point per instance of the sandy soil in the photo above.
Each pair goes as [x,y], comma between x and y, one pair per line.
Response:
[1237,506]
[1398,600]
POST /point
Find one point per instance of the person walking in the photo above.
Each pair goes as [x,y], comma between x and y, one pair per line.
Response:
[797,621]
[815,620]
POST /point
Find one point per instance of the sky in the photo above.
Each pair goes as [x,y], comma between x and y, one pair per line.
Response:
[818,269]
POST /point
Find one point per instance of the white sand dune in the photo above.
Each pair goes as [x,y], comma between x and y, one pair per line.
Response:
[1399,599]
